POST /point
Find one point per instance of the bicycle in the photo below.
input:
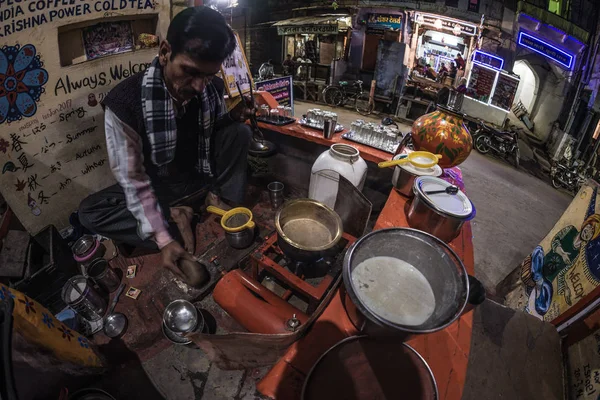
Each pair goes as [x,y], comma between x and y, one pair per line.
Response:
[339,95]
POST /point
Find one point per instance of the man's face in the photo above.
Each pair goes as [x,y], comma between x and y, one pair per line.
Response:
[185,77]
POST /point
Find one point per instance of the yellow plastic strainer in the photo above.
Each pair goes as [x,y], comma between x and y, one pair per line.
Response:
[234,220]
[420,159]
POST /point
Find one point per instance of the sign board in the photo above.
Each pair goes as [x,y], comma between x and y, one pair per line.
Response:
[282,90]
[504,94]
[235,68]
[481,83]
[546,49]
[325,29]
[488,59]
[384,22]
[447,24]
[561,276]
[52,143]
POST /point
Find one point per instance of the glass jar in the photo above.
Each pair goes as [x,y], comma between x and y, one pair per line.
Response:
[274,115]
[288,112]
[264,111]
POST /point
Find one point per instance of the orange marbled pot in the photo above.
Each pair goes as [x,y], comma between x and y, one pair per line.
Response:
[443,132]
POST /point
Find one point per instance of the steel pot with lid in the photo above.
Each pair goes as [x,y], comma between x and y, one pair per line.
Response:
[441,214]
[405,174]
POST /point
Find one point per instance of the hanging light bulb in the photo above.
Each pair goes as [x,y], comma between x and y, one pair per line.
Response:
[438,24]
[457,30]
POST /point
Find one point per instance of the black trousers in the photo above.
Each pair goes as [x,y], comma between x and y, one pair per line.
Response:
[105,212]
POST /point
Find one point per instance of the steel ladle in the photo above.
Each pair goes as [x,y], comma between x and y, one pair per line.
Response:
[115,324]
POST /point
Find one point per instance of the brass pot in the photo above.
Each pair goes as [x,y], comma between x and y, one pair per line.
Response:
[307,230]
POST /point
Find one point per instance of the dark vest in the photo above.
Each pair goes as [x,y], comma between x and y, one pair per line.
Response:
[125,101]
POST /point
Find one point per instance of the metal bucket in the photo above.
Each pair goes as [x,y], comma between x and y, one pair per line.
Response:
[80,295]
[364,368]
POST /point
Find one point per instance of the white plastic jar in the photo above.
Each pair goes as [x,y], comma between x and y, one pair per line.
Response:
[340,159]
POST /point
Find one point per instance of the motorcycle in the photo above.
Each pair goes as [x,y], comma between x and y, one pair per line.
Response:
[503,143]
[568,177]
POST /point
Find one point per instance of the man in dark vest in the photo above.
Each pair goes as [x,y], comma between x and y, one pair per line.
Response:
[169,135]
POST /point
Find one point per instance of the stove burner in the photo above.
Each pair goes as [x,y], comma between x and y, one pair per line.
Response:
[294,274]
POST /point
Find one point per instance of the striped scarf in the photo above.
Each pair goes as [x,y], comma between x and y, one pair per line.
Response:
[161,126]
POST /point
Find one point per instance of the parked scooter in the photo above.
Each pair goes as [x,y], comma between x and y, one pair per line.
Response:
[568,177]
[503,143]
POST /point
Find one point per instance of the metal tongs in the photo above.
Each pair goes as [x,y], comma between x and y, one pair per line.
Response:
[256,133]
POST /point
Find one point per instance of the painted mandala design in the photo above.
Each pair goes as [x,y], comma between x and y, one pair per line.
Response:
[22,81]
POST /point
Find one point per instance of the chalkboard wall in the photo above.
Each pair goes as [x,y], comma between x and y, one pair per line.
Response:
[390,64]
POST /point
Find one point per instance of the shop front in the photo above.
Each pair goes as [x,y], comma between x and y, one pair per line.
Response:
[320,39]
[439,41]
[546,59]
[379,26]
[490,90]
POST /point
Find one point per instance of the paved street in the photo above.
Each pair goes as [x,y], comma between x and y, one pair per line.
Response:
[515,210]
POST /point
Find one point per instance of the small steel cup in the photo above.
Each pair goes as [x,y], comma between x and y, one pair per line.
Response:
[328,127]
[276,194]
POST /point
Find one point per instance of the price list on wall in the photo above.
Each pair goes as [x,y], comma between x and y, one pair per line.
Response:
[505,92]
[481,83]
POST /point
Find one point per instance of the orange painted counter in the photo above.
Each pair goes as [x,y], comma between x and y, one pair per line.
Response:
[316,136]
[446,351]
[313,135]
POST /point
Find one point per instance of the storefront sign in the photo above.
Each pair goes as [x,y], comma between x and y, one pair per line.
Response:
[488,59]
[546,49]
[504,94]
[235,70]
[282,90]
[481,83]
[327,29]
[447,24]
[384,22]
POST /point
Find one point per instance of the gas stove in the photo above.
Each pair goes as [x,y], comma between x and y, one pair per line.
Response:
[310,281]
[275,294]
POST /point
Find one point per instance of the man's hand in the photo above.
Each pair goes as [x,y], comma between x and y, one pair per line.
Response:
[243,110]
[171,254]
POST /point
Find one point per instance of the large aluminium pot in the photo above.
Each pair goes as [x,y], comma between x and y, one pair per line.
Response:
[366,368]
[452,288]
[307,230]
[405,174]
[440,214]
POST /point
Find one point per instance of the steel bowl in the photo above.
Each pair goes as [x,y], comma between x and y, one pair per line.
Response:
[307,229]
[180,316]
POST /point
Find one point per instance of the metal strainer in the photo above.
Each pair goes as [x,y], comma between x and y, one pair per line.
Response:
[234,220]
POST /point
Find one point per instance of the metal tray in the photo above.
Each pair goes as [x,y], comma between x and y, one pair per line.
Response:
[350,136]
[304,122]
[280,122]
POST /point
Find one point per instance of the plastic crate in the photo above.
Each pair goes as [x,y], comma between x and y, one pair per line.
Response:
[49,265]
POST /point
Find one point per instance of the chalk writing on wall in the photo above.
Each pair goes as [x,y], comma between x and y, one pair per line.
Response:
[18,16]
[52,147]
[22,81]
[67,85]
